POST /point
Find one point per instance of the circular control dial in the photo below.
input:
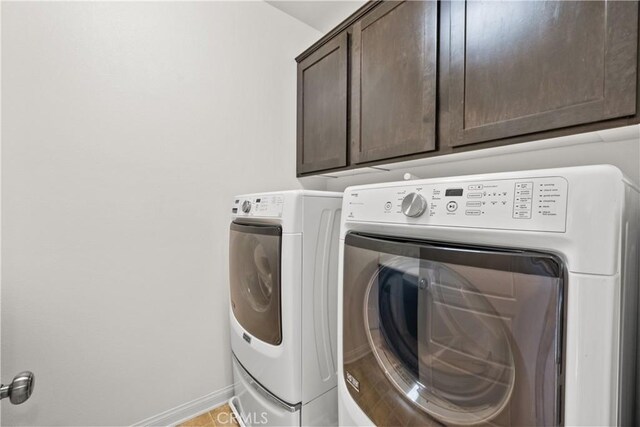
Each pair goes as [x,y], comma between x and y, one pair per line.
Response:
[246,206]
[413,205]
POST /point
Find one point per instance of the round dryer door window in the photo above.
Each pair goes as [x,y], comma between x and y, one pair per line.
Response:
[438,334]
[439,341]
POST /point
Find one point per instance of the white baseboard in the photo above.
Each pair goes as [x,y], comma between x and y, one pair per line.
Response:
[189,410]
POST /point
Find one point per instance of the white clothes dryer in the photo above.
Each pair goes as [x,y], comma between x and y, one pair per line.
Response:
[498,299]
[283,263]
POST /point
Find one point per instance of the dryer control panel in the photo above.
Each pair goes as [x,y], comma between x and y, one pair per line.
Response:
[269,206]
[535,204]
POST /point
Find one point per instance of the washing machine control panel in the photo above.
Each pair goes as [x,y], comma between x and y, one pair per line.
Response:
[536,204]
[258,206]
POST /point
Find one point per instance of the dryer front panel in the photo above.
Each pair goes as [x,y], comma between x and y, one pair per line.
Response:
[254,274]
[438,334]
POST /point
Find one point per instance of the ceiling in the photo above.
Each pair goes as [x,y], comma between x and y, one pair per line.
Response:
[321,15]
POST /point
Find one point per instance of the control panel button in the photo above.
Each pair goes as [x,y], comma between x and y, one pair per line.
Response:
[474,204]
[388,206]
[413,205]
[475,187]
[452,206]
[522,214]
[474,195]
[472,212]
[246,206]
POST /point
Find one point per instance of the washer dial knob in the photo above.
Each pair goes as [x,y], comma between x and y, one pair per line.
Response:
[246,206]
[414,205]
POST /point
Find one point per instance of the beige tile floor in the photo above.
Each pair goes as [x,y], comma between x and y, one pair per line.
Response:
[218,417]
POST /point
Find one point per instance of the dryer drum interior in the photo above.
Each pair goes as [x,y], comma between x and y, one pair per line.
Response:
[452,335]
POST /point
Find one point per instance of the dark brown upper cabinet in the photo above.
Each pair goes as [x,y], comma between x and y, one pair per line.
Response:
[393,81]
[322,107]
[519,67]
[407,79]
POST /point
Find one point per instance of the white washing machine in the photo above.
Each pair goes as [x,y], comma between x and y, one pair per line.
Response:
[283,263]
[497,299]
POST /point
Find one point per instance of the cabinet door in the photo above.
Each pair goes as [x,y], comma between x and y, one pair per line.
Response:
[393,81]
[519,67]
[322,107]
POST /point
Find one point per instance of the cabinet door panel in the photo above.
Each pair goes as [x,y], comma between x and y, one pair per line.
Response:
[322,108]
[393,94]
[519,67]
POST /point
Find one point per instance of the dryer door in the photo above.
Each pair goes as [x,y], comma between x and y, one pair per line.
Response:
[453,335]
[254,275]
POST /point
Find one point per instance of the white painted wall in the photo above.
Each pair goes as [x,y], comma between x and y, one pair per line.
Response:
[126,129]
[322,15]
